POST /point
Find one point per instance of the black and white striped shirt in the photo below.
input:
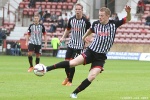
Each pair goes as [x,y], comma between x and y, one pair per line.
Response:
[78,29]
[104,35]
[36,32]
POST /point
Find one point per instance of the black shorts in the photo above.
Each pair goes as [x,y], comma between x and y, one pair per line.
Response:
[72,53]
[96,59]
[35,48]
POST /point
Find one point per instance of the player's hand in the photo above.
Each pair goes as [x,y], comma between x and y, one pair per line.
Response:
[61,39]
[45,45]
[128,9]
[85,39]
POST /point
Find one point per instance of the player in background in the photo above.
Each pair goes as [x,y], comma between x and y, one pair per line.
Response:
[34,41]
[77,26]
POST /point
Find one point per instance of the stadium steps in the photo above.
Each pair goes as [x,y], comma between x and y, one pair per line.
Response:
[17,33]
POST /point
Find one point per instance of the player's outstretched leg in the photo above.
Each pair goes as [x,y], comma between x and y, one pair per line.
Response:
[63,64]
[80,88]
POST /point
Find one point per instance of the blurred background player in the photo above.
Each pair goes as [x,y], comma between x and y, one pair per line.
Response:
[55,44]
[34,41]
[77,26]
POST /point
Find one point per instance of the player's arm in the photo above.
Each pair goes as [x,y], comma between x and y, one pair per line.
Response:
[67,31]
[27,39]
[128,10]
[28,35]
[45,36]
[88,32]
[45,40]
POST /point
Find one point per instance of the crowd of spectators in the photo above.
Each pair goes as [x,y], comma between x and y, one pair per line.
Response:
[15,48]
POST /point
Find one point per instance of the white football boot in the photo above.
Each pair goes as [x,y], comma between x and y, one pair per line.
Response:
[73,95]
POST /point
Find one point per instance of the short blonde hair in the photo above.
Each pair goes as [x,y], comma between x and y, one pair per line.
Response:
[36,15]
[79,4]
[106,10]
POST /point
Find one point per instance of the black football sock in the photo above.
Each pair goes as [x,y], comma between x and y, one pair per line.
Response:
[72,71]
[67,70]
[63,64]
[83,85]
[30,61]
[37,60]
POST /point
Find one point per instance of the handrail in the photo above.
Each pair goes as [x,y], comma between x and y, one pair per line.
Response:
[11,5]
[9,15]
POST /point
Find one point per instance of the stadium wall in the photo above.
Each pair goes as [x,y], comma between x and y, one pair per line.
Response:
[130,47]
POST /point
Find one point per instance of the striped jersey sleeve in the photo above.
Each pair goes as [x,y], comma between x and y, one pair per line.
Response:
[104,35]
[78,28]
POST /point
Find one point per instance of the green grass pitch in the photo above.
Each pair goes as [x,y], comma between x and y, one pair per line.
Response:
[121,80]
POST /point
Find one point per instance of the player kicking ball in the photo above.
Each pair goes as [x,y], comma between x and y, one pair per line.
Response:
[95,53]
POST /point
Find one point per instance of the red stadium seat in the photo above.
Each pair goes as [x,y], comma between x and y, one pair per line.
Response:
[54,5]
[74,1]
[43,5]
[26,4]
[53,10]
[25,11]
[21,5]
[31,12]
[59,5]
[70,6]
[64,6]
[69,1]
[58,12]
[48,5]
[37,5]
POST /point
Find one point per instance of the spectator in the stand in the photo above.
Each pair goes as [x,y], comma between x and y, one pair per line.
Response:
[3,33]
[52,28]
[46,14]
[31,4]
[54,17]
[15,48]
[146,1]
[55,0]
[71,14]
[147,20]
[140,7]
[41,21]
[40,11]
[62,0]
[65,18]
[114,17]
[55,44]
[60,22]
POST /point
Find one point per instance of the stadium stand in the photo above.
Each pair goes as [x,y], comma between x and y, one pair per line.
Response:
[134,32]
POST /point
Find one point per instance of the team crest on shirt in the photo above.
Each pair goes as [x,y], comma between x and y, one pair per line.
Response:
[103,33]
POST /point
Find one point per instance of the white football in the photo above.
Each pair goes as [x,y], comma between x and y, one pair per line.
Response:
[39,69]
